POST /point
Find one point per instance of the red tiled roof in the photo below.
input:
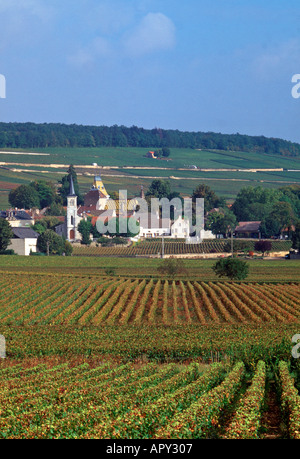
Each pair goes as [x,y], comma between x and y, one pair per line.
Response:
[92,197]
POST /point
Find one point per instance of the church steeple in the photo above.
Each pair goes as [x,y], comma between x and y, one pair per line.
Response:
[72,217]
[72,190]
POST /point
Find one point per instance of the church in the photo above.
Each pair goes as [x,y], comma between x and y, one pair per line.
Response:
[98,205]
[97,202]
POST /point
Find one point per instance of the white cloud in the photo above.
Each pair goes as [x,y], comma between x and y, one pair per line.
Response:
[98,48]
[155,32]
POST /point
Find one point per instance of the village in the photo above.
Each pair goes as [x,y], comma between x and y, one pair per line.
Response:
[99,207]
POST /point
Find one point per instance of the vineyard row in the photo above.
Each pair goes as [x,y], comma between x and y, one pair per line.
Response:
[145,248]
[66,300]
[147,401]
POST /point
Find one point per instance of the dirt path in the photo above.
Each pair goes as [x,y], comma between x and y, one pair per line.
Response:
[272,420]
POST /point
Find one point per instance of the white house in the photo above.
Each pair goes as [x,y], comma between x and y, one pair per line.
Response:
[180,228]
[24,241]
[151,225]
[17,218]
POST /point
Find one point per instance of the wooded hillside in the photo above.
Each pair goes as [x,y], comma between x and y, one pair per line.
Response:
[31,135]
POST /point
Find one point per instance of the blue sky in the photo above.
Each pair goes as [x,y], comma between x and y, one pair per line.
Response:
[194,65]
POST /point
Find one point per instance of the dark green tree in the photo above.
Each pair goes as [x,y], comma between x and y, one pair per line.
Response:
[233,268]
[263,246]
[223,222]
[56,210]
[211,200]
[270,227]
[282,213]
[85,228]
[65,186]
[254,203]
[5,234]
[68,249]
[51,243]
[47,222]
[24,197]
[166,152]
[159,189]
[46,192]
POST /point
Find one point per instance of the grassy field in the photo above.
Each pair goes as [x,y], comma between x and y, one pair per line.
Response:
[259,270]
[131,169]
[180,157]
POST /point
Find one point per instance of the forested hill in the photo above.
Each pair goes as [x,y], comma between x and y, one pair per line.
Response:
[31,135]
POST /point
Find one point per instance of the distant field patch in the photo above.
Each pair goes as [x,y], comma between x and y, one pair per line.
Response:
[7,186]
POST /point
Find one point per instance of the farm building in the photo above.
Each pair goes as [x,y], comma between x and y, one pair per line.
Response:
[17,218]
[248,230]
[24,241]
[151,154]
[151,225]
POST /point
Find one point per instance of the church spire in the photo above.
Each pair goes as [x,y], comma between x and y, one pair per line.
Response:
[72,190]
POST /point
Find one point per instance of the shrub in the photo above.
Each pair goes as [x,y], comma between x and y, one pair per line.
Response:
[9,252]
[263,246]
[233,268]
[172,266]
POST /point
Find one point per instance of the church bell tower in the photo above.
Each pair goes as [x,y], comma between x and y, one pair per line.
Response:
[71,213]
